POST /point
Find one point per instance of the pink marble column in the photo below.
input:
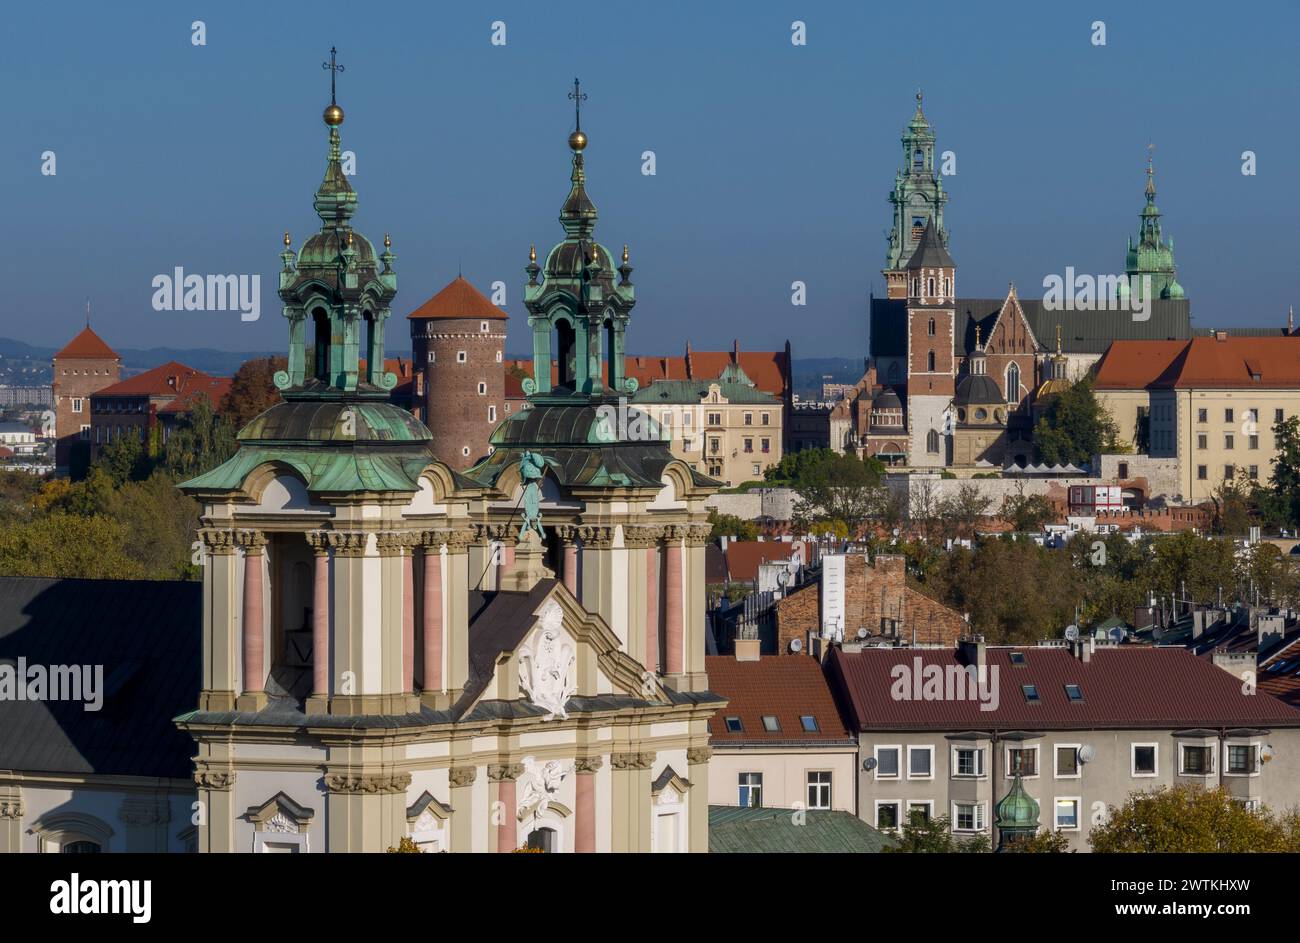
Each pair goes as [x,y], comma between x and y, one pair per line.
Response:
[320,619]
[673,611]
[652,608]
[584,839]
[432,619]
[571,567]
[254,641]
[507,558]
[408,619]
[506,837]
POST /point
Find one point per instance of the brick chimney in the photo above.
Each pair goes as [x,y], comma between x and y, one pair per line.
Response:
[973,652]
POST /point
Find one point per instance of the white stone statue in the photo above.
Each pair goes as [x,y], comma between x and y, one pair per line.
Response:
[547,668]
[538,786]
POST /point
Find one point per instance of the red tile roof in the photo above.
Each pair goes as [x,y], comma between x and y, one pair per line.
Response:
[1202,363]
[745,556]
[786,687]
[459,299]
[171,377]
[87,346]
[766,368]
[214,388]
[1135,687]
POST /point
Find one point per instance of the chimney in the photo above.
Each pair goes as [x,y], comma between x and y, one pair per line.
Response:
[735,351]
[1085,649]
[973,652]
[748,649]
[1290,319]
[1220,335]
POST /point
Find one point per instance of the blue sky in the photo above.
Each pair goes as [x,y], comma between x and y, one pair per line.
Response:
[773,161]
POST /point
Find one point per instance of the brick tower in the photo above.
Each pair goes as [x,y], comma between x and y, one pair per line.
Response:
[457,344]
[85,366]
[931,364]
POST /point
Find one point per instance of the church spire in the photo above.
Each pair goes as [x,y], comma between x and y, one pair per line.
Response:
[578,215]
[917,199]
[1151,256]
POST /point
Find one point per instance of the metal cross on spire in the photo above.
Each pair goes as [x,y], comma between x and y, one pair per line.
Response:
[577,96]
[335,69]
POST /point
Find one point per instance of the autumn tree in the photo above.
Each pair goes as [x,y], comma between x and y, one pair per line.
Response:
[201,442]
[252,390]
[729,525]
[843,488]
[925,835]
[1193,819]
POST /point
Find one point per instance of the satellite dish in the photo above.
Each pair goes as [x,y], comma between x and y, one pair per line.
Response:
[1266,753]
[1117,634]
[1157,634]
[869,763]
[1072,633]
[1086,753]
[862,632]
[796,645]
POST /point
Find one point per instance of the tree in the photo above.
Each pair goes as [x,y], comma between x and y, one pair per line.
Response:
[1075,427]
[729,525]
[124,459]
[1285,482]
[1231,508]
[843,488]
[1027,513]
[922,835]
[1193,819]
[962,512]
[67,546]
[1045,842]
[201,442]
[252,390]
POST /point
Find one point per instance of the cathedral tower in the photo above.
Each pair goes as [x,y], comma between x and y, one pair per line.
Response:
[1153,256]
[918,198]
[930,280]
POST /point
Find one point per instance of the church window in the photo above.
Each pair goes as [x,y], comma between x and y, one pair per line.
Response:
[498,356]
[931,328]
[461,356]
[930,361]
[1013,383]
[981,414]
[81,848]
[947,287]
[916,285]
[930,287]
[321,343]
[482,389]
[492,414]
[431,358]
[932,442]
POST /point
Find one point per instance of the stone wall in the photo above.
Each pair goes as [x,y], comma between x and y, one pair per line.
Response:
[776,503]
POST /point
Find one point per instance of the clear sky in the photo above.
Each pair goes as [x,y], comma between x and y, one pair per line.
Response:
[773,161]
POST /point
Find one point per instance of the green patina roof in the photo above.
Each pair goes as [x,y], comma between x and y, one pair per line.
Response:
[349,422]
[1017,808]
[693,392]
[323,469]
[736,829]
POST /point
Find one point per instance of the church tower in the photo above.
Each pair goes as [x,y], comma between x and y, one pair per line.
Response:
[930,280]
[917,199]
[1153,256]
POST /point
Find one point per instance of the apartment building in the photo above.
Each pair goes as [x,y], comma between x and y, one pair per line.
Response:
[946,732]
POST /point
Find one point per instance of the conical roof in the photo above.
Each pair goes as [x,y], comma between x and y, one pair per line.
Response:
[930,251]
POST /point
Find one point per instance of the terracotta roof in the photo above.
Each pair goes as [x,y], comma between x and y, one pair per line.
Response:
[1135,365]
[766,368]
[745,556]
[1137,687]
[215,388]
[87,346]
[787,687]
[459,299]
[171,377]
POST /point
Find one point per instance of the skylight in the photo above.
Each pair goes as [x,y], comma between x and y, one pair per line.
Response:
[1031,692]
[1074,692]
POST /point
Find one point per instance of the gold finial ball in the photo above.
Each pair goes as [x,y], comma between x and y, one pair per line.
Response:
[577,141]
[625,253]
[388,241]
[286,238]
[333,116]
[532,253]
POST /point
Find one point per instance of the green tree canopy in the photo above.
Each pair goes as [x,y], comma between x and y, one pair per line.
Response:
[1075,427]
[1193,819]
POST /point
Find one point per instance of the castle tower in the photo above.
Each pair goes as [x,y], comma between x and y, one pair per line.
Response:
[84,366]
[930,279]
[1152,257]
[917,199]
[458,343]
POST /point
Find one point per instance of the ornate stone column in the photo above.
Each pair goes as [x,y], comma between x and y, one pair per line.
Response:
[408,613]
[597,593]
[11,819]
[216,790]
[642,602]
[367,809]
[584,826]
[221,600]
[431,611]
[253,624]
[569,535]
[697,802]
[631,800]
[456,633]
[673,600]
[462,779]
[504,776]
[320,614]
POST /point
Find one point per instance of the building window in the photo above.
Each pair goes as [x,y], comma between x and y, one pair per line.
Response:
[715,419]
[482,389]
[1195,760]
[1227,415]
[1202,473]
[85,433]
[1067,761]
[1123,469]
[819,790]
[498,356]
[920,762]
[465,451]
[1227,441]
[931,330]
[1229,471]
[483,327]
[1065,816]
[755,470]
[809,723]
[1143,759]
[765,445]
[887,762]
[1202,415]
[1252,442]
[1243,759]
[920,811]
[930,286]
[1031,693]
[492,414]
[932,442]
[771,724]
[967,761]
[751,790]
[1279,415]
[76,404]
[1074,693]
[968,816]
[764,418]
[1202,441]
[461,357]
[1254,472]
[749,445]
[929,360]
[886,815]
[1022,760]
[749,419]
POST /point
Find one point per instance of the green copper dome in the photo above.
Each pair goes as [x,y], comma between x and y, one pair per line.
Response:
[1017,810]
[335,421]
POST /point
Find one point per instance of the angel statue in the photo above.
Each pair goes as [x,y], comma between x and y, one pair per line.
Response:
[531,469]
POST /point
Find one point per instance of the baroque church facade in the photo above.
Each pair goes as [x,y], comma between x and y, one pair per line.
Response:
[480,658]
[959,381]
